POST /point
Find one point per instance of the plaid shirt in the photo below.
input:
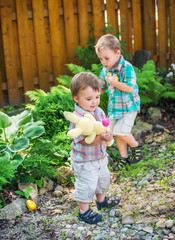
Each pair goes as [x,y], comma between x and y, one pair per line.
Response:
[121,102]
[83,153]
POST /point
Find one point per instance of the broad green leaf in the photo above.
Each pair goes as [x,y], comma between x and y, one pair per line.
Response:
[18,159]
[25,120]
[19,144]
[5,156]
[3,147]
[5,120]
[33,132]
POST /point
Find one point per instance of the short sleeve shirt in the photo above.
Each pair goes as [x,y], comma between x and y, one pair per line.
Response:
[84,153]
[121,102]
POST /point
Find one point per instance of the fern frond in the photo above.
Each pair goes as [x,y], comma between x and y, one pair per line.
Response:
[168,95]
[59,90]
[75,68]
[145,99]
[35,95]
[64,80]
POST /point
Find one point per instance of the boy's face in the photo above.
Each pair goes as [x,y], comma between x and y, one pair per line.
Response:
[108,57]
[88,99]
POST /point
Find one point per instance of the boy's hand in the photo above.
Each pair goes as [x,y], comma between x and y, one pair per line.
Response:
[107,137]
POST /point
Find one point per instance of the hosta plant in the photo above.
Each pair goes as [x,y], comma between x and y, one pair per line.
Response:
[17,133]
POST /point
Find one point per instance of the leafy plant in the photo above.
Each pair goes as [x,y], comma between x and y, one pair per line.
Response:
[26,194]
[151,88]
[50,107]
[16,135]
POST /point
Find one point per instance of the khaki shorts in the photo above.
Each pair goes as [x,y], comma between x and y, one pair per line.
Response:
[90,178]
[123,125]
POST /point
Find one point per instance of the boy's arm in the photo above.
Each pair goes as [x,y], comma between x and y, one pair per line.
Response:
[107,137]
[120,85]
[129,81]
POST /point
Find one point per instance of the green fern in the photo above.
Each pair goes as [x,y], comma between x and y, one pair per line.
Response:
[75,68]
[151,86]
[64,80]
[35,95]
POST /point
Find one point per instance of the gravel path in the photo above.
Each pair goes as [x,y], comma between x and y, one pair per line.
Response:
[147,211]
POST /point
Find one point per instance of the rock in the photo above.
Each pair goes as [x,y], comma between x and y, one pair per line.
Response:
[159,127]
[169,223]
[173,229]
[127,219]
[154,115]
[141,127]
[33,194]
[14,209]
[140,58]
[64,172]
[57,193]
[161,224]
[47,186]
[148,229]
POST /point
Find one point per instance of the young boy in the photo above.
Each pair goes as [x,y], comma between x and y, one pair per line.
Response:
[89,162]
[119,78]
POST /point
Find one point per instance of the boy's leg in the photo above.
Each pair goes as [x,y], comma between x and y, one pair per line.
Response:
[83,207]
[103,186]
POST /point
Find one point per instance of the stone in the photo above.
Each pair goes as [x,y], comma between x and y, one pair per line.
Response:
[64,172]
[142,127]
[161,224]
[14,209]
[148,229]
[169,223]
[47,186]
[154,115]
[128,219]
[33,194]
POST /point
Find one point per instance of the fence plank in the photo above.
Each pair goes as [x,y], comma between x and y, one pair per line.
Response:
[70,29]
[112,14]
[58,42]
[84,26]
[162,38]
[9,55]
[124,24]
[1,67]
[25,45]
[172,32]
[149,30]
[40,42]
[137,24]
[98,17]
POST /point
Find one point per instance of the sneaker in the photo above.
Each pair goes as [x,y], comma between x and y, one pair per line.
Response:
[136,154]
[121,163]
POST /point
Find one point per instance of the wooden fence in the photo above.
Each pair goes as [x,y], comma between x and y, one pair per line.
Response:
[38,37]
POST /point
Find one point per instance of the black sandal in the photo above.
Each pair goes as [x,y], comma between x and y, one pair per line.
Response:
[121,163]
[90,217]
[136,154]
[108,202]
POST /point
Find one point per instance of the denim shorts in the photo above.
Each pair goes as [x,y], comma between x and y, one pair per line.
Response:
[123,125]
[91,178]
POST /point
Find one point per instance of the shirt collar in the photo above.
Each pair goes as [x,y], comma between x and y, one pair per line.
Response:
[82,112]
[119,66]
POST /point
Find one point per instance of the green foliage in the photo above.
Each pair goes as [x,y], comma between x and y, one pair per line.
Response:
[16,133]
[7,172]
[87,53]
[44,158]
[151,88]
[25,194]
[50,108]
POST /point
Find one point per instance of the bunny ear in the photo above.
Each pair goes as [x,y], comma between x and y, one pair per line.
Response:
[71,117]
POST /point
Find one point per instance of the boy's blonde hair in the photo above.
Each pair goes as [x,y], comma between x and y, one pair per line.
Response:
[82,80]
[108,41]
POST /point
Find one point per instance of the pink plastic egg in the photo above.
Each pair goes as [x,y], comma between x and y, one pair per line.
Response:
[106,122]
